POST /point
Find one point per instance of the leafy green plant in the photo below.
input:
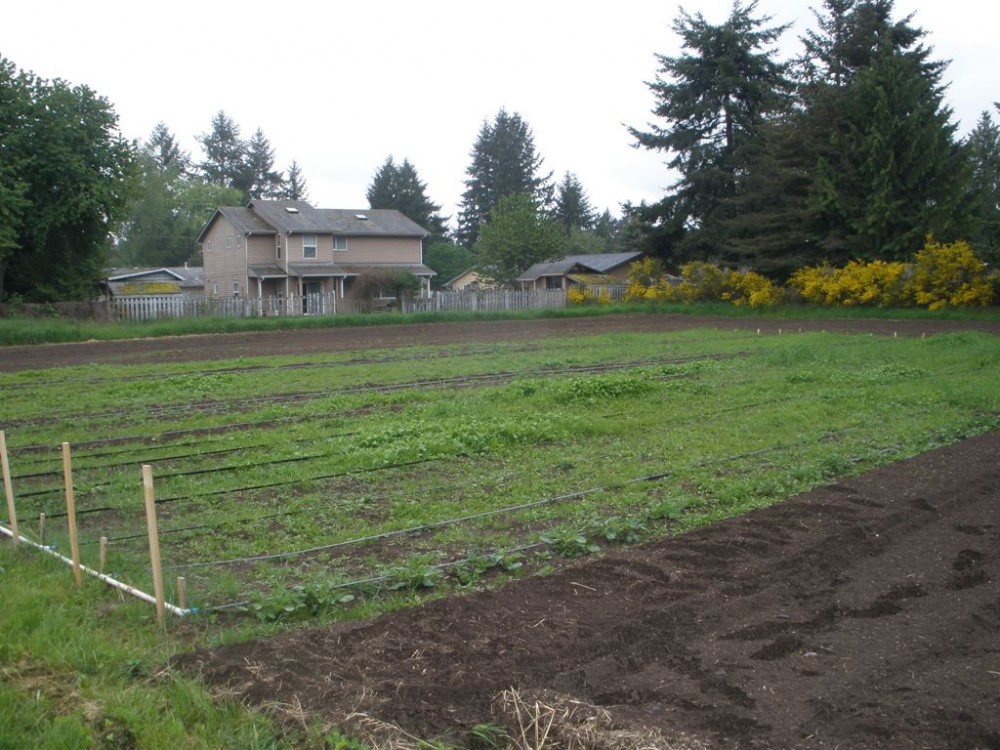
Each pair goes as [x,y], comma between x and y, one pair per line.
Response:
[569,542]
[412,575]
[620,529]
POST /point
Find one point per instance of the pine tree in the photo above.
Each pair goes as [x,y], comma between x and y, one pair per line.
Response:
[166,154]
[295,186]
[398,186]
[983,148]
[713,100]
[258,178]
[889,170]
[572,208]
[225,152]
[504,163]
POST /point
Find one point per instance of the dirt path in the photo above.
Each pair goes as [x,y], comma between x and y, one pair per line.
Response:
[862,615]
[232,345]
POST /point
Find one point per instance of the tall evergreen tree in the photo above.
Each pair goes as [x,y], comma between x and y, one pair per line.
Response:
[225,152]
[889,170]
[165,152]
[295,185]
[983,147]
[572,209]
[504,162]
[258,178]
[713,100]
[398,186]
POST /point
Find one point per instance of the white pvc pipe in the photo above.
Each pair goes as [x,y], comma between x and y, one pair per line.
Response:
[98,575]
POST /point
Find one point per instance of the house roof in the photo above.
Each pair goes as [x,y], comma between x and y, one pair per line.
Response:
[326,270]
[600,263]
[299,217]
[185,276]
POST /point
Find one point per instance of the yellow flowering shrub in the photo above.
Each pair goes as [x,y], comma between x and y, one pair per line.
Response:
[879,283]
[578,295]
[752,289]
[949,276]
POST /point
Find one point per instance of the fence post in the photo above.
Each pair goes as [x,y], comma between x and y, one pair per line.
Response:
[8,488]
[74,542]
[154,541]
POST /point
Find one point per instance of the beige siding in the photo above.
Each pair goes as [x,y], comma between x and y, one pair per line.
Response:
[224,256]
[361,250]
[260,251]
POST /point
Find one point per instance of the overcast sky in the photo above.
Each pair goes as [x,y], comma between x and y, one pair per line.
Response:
[339,86]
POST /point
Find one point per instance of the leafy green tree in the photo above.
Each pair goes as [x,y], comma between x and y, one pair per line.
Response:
[713,100]
[64,186]
[504,163]
[517,235]
[983,147]
[398,186]
[572,209]
[448,260]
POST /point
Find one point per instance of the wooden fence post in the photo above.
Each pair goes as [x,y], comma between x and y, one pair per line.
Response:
[8,488]
[154,541]
[74,543]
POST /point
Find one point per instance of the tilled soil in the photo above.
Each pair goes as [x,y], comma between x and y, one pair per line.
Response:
[311,341]
[865,614]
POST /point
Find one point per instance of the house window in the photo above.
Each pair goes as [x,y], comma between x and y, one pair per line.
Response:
[208,246]
[339,243]
[229,241]
[215,289]
[277,248]
[309,246]
[236,289]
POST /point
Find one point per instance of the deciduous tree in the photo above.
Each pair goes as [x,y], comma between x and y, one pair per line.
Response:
[65,180]
[516,236]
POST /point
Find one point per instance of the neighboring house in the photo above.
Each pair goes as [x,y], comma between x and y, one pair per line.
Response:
[469,281]
[188,281]
[579,270]
[289,248]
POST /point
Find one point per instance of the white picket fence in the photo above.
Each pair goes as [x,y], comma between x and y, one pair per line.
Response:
[486,301]
[153,307]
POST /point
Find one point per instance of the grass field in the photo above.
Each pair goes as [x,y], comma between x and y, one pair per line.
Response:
[337,486]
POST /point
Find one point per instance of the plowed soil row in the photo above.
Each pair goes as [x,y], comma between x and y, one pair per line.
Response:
[259,344]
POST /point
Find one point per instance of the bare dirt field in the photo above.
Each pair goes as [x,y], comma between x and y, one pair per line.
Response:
[312,341]
[865,614]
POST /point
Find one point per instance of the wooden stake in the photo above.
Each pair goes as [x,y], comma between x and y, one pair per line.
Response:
[181,592]
[74,542]
[103,555]
[41,528]
[8,488]
[154,541]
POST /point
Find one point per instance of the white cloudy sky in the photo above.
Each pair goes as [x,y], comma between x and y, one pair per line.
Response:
[339,86]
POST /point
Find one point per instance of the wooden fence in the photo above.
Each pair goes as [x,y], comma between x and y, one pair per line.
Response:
[155,307]
[486,300]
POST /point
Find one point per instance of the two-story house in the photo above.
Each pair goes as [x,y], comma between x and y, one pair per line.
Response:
[289,248]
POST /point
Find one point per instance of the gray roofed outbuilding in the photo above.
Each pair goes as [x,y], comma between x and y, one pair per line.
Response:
[599,263]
